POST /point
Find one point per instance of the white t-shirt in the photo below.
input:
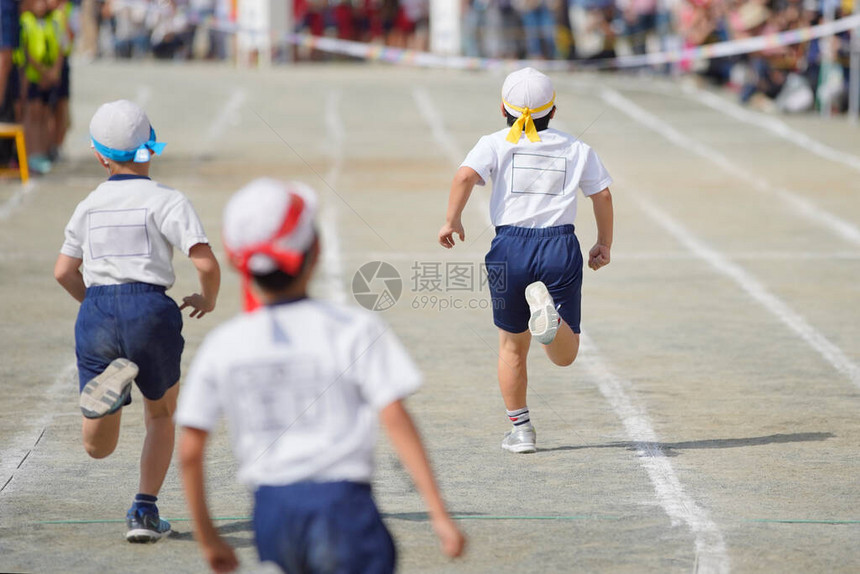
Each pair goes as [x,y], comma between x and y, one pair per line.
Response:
[300,385]
[126,229]
[535,183]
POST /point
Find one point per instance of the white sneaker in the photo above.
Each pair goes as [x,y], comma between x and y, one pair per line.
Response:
[543,322]
[520,439]
[107,392]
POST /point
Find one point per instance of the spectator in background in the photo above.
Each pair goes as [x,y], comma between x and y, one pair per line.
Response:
[417,14]
[170,31]
[369,21]
[703,22]
[750,20]
[342,15]
[640,20]
[592,25]
[131,35]
[601,23]
[538,22]
[40,57]
[388,12]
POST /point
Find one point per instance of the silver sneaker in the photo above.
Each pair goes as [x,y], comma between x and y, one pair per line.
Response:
[543,322]
[520,439]
[107,392]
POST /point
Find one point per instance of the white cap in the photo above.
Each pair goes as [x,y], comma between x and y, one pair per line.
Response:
[121,131]
[527,88]
[257,212]
[120,125]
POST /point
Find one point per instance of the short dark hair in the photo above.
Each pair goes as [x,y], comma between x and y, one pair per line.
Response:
[278,280]
[540,123]
[275,281]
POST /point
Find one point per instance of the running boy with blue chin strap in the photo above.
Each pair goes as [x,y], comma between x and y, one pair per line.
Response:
[534,263]
[117,262]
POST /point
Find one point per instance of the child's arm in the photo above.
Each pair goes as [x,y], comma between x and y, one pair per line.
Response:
[67,272]
[461,188]
[599,254]
[406,441]
[209,273]
[219,554]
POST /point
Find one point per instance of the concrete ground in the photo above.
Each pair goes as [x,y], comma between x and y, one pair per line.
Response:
[710,423]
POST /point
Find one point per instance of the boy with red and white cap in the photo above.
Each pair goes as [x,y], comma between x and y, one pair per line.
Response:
[534,264]
[301,383]
[117,262]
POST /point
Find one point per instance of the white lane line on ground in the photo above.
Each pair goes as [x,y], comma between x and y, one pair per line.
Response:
[332,263]
[18,448]
[433,117]
[754,288]
[227,115]
[801,206]
[773,125]
[8,207]
[335,135]
[711,554]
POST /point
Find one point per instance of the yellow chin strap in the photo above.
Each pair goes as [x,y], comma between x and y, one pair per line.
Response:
[525,121]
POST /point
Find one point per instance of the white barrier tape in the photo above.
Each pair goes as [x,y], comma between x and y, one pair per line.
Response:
[374,52]
[744,46]
[379,53]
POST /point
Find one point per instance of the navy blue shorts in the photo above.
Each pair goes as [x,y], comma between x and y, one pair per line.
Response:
[35,92]
[322,527]
[136,321]
[519,256]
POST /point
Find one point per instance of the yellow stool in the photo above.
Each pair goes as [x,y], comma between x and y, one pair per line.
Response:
[16,131]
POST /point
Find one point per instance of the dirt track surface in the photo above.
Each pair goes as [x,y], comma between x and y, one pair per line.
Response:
[710,423]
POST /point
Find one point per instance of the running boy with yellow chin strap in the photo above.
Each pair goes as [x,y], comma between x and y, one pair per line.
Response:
[534,263]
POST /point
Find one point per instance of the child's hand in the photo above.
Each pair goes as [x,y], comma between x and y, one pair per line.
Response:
[446,234]
[220,556]
[598,256]
[198,303]
[452,540]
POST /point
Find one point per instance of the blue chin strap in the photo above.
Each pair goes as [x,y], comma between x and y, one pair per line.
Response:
[140,155]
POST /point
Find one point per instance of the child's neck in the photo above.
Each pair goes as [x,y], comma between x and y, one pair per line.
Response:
[290,294]
[298,290]
[141,169]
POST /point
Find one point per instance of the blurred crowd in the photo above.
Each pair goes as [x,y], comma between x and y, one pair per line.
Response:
[791,78]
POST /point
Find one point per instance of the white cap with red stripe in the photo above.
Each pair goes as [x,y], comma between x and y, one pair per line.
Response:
[269,226]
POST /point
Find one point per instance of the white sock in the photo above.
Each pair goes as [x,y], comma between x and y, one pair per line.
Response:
[519,417]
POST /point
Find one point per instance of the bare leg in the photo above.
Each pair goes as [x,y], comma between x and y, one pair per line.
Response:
[513,379]
[31,126]
[564,348]
[5,69]
[158,445]
[101,435]
[61,123]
